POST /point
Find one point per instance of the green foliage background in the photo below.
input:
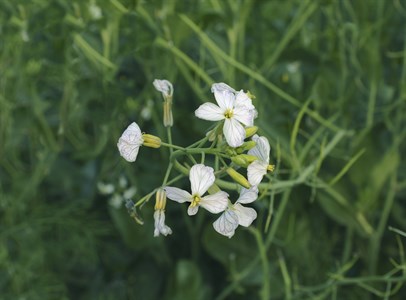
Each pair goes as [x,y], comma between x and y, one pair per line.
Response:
[330,84]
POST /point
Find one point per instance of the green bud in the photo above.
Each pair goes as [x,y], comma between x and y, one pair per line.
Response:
[237,177]
[251,96]
[214,189]
[250,131]
[243,160]
[245,147]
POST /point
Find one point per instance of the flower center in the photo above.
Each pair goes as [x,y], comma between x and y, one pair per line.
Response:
[228,113]
[195,201]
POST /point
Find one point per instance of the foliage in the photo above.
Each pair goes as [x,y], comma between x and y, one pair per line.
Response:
[329,78]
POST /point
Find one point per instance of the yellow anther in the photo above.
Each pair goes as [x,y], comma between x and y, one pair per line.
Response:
[195,201]
[228,114]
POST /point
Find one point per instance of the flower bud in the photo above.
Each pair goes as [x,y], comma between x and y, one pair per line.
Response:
[251,96]
[245,147]
[237,177]
[250,131]
[243,160]
[151,141]
[213,189]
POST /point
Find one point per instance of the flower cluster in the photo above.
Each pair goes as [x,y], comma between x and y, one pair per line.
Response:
[235,147]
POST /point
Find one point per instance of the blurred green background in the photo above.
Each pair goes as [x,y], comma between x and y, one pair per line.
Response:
[329,78]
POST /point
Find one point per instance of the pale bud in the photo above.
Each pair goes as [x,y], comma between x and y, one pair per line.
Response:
[237,177]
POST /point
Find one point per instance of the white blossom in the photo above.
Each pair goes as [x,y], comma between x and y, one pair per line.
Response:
[258,168]
[237,214]
[163,86]
[130,142]
[201,178]
[160,226]
[235,109]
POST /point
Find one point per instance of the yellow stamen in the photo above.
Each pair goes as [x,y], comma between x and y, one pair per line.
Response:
[228,113]
[196,200]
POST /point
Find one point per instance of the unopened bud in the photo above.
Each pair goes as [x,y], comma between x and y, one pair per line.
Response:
[237,177]
[251,96]
[246,146]
[250,131]
[160,199]
[243,160]
[151,141]
[213,189]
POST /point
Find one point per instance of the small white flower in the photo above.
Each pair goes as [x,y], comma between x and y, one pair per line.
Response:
[160,226]
[201,178]
[257,169]
[129,193]
[163,86]
[236,109]
[95,11]
[237,214]
[116,201]
[130,142]
[105,188]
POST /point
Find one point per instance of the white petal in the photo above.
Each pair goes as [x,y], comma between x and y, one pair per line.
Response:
[160,227]
[224,99]
[215,203]
[244,115]
[130,142]
[163,86]
[177,194]
[227,223]
[234,132]
[210,112]
[246,215]
[248,195]
[261,149]
[192,210]
[220,87]
[256,171]
[201,178]
[242,99]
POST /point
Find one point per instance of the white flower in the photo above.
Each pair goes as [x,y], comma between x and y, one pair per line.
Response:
[201,178]
[236,109]
[130,142]
[160,226]
[163,86]
[237,214]
[159,214]
[258,168]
